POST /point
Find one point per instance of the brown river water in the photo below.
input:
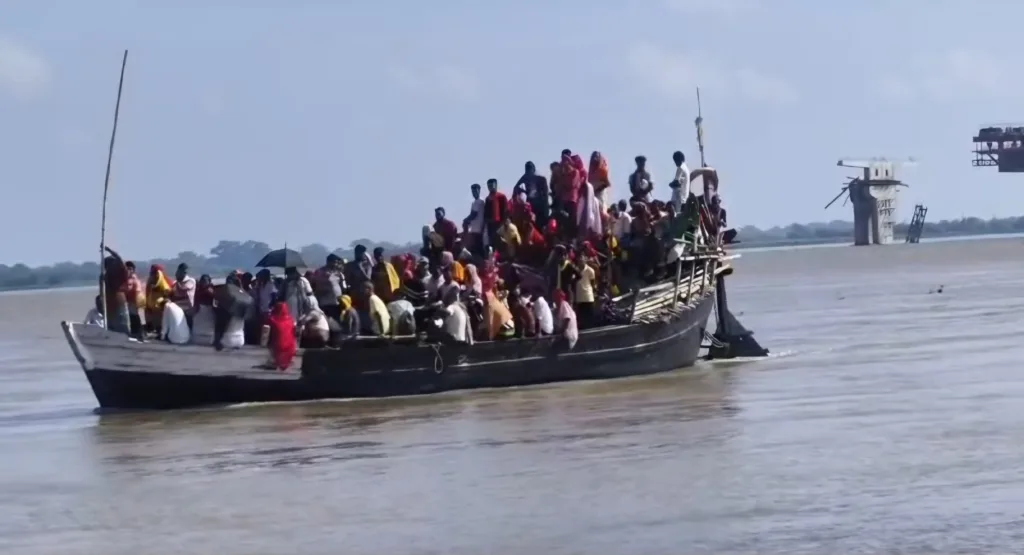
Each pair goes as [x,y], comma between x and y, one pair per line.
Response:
[889,420]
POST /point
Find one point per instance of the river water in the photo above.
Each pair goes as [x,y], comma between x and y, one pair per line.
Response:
[888,421]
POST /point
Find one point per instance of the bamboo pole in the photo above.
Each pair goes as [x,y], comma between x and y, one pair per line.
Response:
[689,287]
[106,188]
[679,276]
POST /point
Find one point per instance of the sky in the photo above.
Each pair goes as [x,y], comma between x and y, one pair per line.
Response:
[315,121]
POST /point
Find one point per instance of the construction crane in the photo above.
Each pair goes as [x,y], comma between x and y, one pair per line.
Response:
[880,165]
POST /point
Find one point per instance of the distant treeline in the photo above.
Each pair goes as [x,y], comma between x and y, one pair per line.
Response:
[230,255]
[839,230]
[226,256]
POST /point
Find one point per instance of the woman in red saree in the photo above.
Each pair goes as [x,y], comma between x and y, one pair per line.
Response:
[283,345]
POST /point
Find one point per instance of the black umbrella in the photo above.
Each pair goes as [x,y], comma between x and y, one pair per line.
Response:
[282,258]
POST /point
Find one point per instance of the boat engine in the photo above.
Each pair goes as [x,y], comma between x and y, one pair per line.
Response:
[731,339]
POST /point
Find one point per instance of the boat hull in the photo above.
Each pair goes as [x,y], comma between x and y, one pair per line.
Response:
[127,374]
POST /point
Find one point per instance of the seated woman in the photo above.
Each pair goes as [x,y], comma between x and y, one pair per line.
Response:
[314,331]
[349,328]
[449,264]
[498,321]
[158,290]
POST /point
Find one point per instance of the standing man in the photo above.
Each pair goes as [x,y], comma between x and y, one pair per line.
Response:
[640,184]
[357,271]
[495,210]
[445,228]
[473,224]
[328,287]
[681,183]
[537,194]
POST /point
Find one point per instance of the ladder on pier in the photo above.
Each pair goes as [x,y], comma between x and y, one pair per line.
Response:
[917,224]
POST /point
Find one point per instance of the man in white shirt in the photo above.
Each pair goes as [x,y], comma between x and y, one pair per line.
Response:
[622,220]
[542,311]
[175,327]
[681,183]
[95,315]
[473,225]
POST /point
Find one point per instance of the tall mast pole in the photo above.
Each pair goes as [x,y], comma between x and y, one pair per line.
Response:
[106,188]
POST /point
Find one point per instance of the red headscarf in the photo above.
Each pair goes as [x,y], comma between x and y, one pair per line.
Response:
[282,333]
[558,296]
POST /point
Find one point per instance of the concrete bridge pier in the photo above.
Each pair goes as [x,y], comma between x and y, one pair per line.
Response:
[874,209]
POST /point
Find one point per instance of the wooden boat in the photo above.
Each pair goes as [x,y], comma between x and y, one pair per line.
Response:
[665,332]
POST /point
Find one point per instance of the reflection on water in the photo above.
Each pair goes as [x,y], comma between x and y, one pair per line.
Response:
[888,423]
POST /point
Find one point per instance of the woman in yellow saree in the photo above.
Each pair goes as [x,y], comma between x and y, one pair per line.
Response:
[158,289]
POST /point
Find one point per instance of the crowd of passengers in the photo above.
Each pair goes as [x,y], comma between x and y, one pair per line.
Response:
[545,260]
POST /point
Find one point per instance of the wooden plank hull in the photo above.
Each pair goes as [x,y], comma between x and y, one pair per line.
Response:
[127,374]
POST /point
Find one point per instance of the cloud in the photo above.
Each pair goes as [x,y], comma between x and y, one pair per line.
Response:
[957,74]
[719,8]
[676,75]
[23,74]
[443,81]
